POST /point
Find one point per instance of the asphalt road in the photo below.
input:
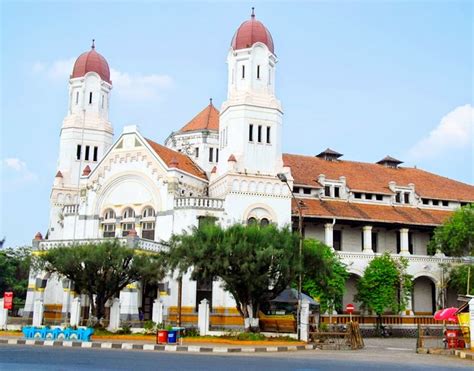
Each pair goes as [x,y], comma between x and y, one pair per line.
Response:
[15,357]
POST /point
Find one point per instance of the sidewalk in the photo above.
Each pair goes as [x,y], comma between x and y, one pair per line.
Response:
[191,346]
[465,354]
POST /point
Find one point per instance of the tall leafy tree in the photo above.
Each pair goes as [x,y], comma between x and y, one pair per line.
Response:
[102,269]
[456,236]
[385,285]
[458,277]
[254,263]
[324,275]
[14,271]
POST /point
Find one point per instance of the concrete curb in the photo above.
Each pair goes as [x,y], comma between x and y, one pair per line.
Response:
[464,355]
[161,348]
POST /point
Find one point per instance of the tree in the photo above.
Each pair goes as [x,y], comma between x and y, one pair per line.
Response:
[458,279]
[14,271]
[102,269]
[385,285]
[456,236]
[324,275]
[254,263]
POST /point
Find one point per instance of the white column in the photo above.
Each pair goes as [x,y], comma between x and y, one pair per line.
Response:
[203,317]
[328,234]
[304,320]
[404,242]
[75,312]
[66,307]
[157,315]
[471,322]
[114,322]
[3,316]
[38,310]
[118,230]
[30,296]
[129,303]
[367,231]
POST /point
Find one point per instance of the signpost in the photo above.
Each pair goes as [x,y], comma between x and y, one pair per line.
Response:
[350,310]
[8,300]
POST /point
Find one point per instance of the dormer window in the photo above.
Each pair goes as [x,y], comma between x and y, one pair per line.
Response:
[329,155]
[389,161]
[336,192]
[327,191]
[406,198]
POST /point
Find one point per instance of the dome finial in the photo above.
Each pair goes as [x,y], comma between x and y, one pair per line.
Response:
[93,44]
[210,101]
[253,12]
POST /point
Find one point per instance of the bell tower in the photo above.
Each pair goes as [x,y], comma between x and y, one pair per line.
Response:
[251,117]
[86,133]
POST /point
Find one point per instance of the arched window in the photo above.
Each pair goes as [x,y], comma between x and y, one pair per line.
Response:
[148,230]
[252,221]
[128,213]
[148,212]
[264,222]
[109,214]
[109,223]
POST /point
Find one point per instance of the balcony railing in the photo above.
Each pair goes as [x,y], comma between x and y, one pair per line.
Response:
[347,255]
[199,203]
[70,209]
[137,243]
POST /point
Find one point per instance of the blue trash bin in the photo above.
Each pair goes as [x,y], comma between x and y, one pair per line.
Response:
[172,336]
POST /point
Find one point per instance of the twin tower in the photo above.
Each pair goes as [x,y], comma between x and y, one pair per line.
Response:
[250,122]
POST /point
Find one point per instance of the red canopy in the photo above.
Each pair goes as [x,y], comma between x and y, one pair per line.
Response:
[447,314]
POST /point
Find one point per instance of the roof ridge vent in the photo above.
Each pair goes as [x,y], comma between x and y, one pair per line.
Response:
[329,155]
[389,161]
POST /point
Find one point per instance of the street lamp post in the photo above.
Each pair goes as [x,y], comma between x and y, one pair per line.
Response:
[284,179]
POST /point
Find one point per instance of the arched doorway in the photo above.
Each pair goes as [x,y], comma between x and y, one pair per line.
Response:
[424,296]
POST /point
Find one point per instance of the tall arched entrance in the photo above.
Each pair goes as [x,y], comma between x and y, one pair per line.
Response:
[424,296]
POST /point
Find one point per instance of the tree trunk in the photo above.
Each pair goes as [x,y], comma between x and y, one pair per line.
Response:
[100,307]
[251,318]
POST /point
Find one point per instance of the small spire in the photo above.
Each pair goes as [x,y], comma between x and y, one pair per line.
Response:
[210,101]
[253,12]
[93,44]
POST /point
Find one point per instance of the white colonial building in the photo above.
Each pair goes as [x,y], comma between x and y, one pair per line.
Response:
[224,164]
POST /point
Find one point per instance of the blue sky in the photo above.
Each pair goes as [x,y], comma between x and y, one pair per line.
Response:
[364,78]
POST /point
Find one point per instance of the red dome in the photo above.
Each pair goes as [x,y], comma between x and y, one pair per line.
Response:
[249,33]
[91,61]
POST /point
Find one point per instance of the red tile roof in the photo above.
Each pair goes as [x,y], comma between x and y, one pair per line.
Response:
[374,178]
[250,32]
[343,210]
[91,61]
[207,119]
[177,160]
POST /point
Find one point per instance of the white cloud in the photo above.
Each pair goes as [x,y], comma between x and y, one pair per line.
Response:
[140,87]
[126,85]
[57,70]
[454,131]
[20,168]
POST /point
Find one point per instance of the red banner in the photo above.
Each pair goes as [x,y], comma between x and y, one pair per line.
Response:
[8,300]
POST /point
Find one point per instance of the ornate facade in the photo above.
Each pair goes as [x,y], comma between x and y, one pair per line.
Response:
[224,164]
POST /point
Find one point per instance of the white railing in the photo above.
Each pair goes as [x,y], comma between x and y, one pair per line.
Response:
[138,243]
[347,255]
[199,203]
[70,209]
